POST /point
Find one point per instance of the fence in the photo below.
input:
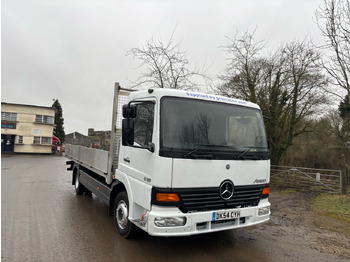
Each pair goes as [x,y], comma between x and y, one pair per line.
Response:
[306,179]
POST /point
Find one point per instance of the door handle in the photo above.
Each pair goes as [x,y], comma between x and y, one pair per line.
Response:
[126,159]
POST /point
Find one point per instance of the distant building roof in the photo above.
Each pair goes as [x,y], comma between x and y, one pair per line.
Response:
[47,107]
[76,133]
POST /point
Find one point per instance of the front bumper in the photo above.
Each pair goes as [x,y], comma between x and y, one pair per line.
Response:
[201,222]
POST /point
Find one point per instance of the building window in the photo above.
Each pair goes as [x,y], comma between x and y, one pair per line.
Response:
[38,140]
[20,139]
[46,140]
[43,119]
[8,116]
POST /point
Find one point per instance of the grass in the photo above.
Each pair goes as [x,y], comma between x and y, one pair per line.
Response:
[337,205]
[333,212]
[287,191]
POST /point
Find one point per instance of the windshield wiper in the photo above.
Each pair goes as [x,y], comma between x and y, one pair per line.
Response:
[194,150]
[248,149]
[199,147]
[243,153]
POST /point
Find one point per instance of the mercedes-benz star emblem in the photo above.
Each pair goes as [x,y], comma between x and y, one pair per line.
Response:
[226,190]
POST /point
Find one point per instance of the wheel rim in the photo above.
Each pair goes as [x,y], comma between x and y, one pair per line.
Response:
[122,214]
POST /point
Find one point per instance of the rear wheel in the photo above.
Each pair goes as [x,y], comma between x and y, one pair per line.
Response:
[121,216]
[79,188]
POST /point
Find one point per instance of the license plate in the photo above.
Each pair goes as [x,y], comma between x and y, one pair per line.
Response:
[226,215]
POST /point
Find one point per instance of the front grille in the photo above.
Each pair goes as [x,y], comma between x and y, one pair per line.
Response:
[202,199]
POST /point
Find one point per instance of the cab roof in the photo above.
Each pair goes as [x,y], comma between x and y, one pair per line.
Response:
[162,92]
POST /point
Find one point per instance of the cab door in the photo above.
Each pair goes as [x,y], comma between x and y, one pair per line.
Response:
[137,159]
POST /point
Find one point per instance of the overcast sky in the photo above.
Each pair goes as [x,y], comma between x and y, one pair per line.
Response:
[74,50]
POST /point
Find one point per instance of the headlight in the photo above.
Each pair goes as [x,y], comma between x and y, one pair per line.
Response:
[169,221]
[264,211]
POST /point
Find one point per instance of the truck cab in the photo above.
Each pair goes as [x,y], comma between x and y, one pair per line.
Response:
[191,163]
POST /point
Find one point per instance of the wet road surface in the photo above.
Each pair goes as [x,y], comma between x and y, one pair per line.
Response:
[44,220]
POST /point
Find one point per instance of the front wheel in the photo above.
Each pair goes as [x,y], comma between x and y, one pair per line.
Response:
[121,216]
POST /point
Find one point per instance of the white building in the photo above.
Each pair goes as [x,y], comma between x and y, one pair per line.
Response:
[26,128]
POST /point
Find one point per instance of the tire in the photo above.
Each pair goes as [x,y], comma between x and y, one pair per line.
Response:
[79,188]
[88,192]
[121,216]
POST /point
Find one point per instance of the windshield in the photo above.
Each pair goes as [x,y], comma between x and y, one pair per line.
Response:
[216,130]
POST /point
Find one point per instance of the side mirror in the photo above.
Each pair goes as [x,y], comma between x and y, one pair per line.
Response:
[129,111]
[127,131]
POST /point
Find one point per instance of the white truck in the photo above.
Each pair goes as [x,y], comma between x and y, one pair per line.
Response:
[187,163]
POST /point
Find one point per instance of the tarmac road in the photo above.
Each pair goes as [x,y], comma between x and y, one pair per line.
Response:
[44,220]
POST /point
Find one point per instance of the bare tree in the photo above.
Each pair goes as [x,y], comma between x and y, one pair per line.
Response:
[287,85]
[166,66]
[333,19]
[305,87]
[337,126]
[320,148]
[244,69]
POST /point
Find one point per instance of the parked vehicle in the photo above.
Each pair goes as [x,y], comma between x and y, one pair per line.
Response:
[187,163]
[56,145]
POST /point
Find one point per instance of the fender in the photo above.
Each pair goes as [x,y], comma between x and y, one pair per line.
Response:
[123,179]
[139,194]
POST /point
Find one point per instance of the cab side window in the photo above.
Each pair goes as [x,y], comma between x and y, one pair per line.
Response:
[144,124]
